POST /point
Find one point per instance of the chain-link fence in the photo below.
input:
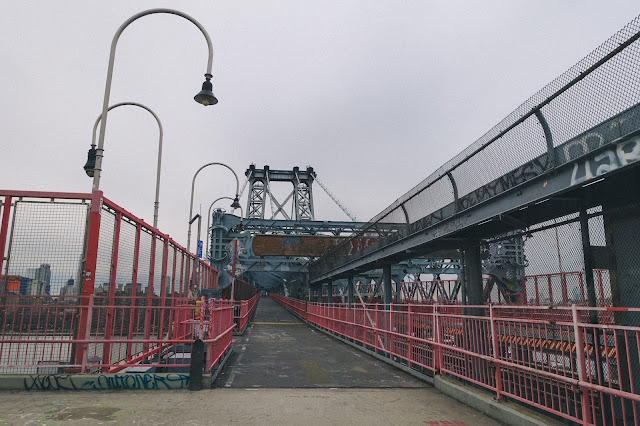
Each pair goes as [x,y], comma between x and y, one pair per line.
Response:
[588,108]
[78,272]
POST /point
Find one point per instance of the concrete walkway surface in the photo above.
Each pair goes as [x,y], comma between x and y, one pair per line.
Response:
[416,406]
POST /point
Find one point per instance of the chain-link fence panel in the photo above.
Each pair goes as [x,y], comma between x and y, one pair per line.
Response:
[592,104]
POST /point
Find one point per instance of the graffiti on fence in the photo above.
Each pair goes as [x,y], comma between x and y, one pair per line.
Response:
[138,381]
[625,152]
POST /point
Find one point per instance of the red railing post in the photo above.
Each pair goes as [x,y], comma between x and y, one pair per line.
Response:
[602,298]
[134,289]
[4,229]
[108,327]
[437,339]
[582,367]
[152,275]
[88,276]
[410,336]
[582,294]
[377,335]
[163,287]
[87,333]
[496,354]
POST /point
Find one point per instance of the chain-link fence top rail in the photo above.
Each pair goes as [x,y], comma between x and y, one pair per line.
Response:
[45,248]
[155,275]
[590,105]
[44,243]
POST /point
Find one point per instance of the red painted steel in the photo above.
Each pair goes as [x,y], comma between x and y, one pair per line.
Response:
[297,307]
[87,284]
[4,228]
[548,357]
[37,334]
[121,327]
[242,312]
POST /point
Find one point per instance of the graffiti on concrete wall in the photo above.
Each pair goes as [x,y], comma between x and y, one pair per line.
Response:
[137,381]
[52,382]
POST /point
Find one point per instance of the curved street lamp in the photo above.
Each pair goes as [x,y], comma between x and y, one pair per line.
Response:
[234,205]
[89,167]
[209,216]
[205,96]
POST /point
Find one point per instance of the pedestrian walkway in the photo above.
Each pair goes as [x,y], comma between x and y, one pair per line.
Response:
[277,353]
[280,351]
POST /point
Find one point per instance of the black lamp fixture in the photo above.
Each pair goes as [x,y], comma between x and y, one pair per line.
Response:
[90,165]
[236,203]
[205,96]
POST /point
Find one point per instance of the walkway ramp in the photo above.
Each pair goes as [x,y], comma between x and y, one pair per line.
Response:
[280,351]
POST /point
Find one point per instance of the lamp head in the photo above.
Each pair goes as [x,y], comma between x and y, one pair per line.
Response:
[236,203]
[90,165]
[205,96]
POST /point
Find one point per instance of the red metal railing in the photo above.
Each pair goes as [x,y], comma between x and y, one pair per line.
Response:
[111,291]
[550,358]
[553,289]
[218,324]
[297,307]
[243,310]
[39,334]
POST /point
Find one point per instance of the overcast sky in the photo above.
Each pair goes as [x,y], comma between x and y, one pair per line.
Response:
[375,95]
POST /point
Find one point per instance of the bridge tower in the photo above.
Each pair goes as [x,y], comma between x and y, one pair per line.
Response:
[300,199]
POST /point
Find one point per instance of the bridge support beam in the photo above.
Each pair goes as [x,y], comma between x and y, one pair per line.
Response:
[350,290]
[622,230]
[386,286]
[473,273]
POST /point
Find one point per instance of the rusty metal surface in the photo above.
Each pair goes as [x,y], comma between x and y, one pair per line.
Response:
[293,245]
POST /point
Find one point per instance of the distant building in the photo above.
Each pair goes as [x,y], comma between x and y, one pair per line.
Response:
[10,284]
[40,280]
[69,289]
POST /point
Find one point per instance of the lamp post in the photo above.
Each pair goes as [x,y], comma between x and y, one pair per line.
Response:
[234,205]
[205,96]
[89,167]
[209,217]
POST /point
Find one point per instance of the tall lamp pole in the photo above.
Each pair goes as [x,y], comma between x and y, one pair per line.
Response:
[234,205]
[90,166]
[205,96]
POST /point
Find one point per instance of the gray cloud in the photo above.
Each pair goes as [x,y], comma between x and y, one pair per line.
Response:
[374,95]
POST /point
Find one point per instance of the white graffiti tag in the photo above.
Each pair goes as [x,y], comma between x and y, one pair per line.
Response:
[620,155]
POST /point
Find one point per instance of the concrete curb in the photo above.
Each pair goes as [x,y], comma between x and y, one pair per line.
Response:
[117,381]
[505,412]
[209,380]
